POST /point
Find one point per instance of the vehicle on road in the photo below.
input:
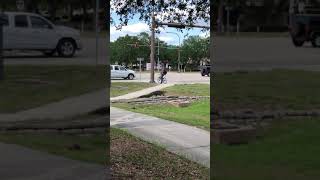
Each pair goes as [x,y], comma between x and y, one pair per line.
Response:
[305,26]
[118,71]
[29,31]
[205,70]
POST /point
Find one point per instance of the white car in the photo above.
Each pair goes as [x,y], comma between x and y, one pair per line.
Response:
[29,31]
[118,71]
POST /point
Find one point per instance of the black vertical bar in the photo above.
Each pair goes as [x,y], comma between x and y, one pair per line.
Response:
[1,50]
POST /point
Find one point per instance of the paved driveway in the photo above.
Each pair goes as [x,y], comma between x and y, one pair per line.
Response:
[263,53]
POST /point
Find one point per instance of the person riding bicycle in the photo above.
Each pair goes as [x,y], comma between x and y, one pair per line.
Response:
[163,72]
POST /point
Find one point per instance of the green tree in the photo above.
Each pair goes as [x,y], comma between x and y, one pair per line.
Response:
[194,50]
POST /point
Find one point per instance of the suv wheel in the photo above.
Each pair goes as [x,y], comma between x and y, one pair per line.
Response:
[66,48]
[316,41]
[130,76]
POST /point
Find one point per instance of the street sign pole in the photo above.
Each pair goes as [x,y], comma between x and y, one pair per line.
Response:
[140,69]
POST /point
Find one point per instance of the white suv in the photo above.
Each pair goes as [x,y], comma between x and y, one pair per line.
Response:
[118,71]
[29,31]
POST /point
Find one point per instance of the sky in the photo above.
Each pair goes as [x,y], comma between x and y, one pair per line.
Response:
[135,26]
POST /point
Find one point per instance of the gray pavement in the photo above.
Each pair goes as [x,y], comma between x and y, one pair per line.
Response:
[190,142]
[141,92]
[19,163]
[67,108]
[231,54]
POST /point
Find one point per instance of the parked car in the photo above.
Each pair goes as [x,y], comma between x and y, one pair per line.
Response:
[118,71]
[29,31]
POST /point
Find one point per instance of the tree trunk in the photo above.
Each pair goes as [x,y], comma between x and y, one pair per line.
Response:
[220,16]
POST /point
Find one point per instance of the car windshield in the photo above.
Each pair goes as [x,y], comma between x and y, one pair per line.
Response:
[122,68]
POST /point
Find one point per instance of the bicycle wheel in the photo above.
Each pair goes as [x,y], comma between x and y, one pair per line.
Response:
[164,81]
[159,80]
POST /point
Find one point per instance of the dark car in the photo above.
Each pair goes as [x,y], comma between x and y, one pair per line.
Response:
[305,27]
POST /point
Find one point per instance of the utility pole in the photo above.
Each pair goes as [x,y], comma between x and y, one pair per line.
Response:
[158,54]
[1,48]
[97,34]
[153,26]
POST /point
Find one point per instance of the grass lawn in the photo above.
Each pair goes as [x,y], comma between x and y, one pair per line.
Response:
[287,151]
[121,88]
[27,87]
[132,158]
[92,147]
[255,34]
[277,89]
[188,90]
[197,114]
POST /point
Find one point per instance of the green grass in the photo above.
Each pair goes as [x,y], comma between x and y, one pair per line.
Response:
[27,87]
[255,34]
[93,147]
[288,150]
[197,114]
[132,158]
[284,89]
[189,90]
[121,88]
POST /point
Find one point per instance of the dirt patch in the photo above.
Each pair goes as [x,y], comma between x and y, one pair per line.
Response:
[132,158]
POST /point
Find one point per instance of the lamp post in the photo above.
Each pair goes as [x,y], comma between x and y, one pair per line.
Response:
[178,49]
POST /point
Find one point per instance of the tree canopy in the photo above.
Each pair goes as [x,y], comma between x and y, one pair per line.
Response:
[182,11]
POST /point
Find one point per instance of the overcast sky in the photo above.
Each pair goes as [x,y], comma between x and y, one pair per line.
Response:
[135,27]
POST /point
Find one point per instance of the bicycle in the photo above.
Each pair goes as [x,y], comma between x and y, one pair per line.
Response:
[164,80]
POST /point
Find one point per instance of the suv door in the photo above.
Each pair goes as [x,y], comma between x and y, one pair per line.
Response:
[19,35]
[123,72]
[117,71]
[42,33]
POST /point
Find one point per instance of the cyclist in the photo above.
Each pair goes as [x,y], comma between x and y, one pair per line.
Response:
[163,72]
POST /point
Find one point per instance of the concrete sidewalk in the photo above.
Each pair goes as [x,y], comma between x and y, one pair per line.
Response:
[19,163]
[141,92]
[188,141]
[69,107]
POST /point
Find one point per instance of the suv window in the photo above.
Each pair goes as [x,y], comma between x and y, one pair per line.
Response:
[5,19]
[21,21]
[37,22]
[116,68]
[122,68]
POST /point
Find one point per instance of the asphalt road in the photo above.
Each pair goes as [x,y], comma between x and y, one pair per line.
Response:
[172,77]
[87,56]
[20,163]
[232,54]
